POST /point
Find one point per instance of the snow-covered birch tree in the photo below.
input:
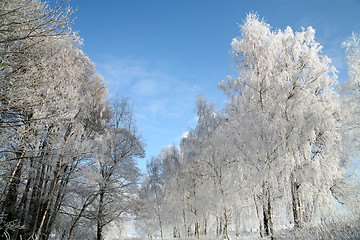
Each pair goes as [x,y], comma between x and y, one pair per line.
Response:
[285,111]
[348,189]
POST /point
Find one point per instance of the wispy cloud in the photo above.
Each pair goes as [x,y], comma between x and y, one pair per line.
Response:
[146,83]
[163,104]
[120,73]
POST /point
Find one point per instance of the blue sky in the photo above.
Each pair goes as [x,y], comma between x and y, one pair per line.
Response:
[162,53]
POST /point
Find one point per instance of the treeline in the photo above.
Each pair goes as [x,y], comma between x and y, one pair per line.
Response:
[67,165]
[281,154]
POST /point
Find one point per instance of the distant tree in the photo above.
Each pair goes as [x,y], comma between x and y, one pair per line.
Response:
[351,96]
[152,198]
[347,191]
[119,174]
[172,188]
[195,203]
[216,163]
[112,186]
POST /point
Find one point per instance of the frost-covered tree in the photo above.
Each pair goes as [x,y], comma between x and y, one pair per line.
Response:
[26,32]
[285,114]
[197,185]
[195,203]
[151,196]
[351,96]
[66,154]
[172,188]
[278,155]
[215,163]
[51,106]
[109,183]
[348,189]
[117,168]
[53,137]
[26,29]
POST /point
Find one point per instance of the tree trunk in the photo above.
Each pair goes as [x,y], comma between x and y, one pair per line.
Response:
[58,202]
[259,215]
[197,229]
[23,209]
[161,227]
[189,231]
[35,202]
[296,207]
[237,223]
[267,210]
[218,226]
[205,226]
[49,201]
[100,216]
[185,227]
[226,234]
[9,198]
[99,232]
[88,201]
[10,186]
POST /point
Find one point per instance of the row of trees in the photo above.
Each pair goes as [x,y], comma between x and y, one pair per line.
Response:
[279,155]
[66,154]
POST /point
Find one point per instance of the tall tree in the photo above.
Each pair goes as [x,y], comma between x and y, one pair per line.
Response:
[48,91]
[285,111]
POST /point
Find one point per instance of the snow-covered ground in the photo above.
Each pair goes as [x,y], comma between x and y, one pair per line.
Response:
[349,230]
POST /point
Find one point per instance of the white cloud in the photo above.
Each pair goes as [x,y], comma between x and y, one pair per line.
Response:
[155,89]
[120,73]
[138,76]
[146,87]
[163,104]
